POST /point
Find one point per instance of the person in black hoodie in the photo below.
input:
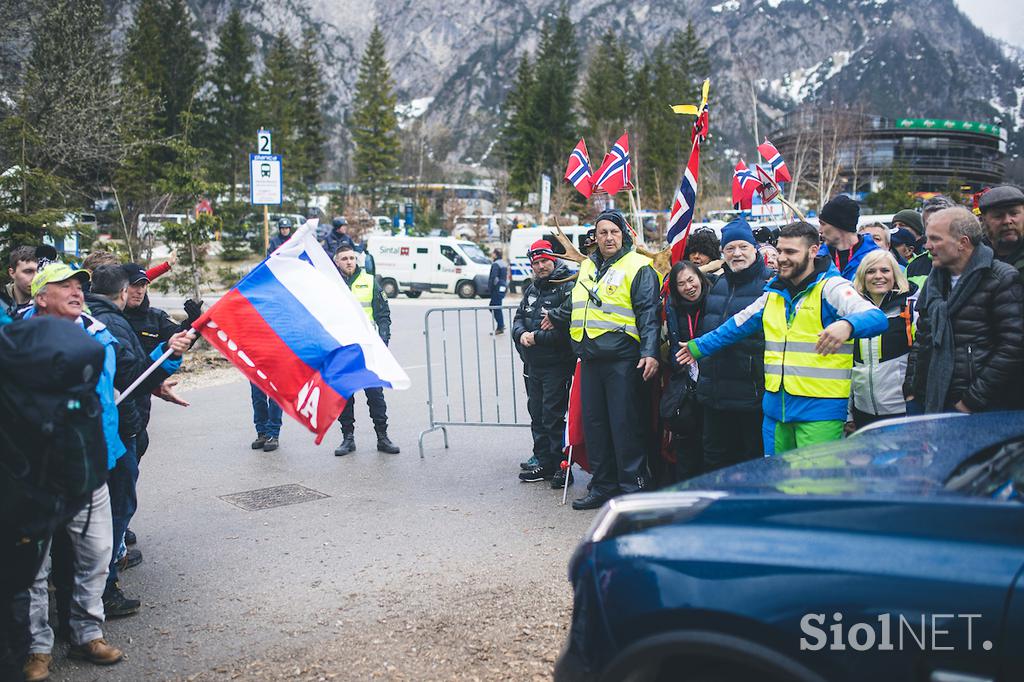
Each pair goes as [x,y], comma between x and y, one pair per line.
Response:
[106,300]
[548,363]
[731,383]
[684,308]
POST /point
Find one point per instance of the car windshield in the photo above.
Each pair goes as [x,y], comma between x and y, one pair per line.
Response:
[474,253]
[997,473]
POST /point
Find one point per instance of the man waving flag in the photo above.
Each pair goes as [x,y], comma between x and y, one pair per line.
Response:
[297,332]
[615,171]
[578,170]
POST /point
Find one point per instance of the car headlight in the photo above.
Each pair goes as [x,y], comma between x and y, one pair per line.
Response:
[632,513]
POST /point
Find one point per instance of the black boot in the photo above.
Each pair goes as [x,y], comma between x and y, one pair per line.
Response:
[385,445]
[348,444]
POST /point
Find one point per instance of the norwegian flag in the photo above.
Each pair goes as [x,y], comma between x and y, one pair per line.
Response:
[681,217]
[616,169]
[578,170]
[744,183]
[774,160]
[700,126]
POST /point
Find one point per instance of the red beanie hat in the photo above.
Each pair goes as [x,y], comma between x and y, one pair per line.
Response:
[542,249]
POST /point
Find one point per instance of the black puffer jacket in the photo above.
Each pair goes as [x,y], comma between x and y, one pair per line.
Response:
[618,346]
[988,338]
[541,296]
[733,379]
[152,325]
[132,361]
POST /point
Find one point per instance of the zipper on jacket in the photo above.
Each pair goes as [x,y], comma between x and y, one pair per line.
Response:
[970,362]
[871,372]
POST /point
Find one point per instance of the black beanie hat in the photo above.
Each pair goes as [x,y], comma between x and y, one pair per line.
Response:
[842,212]
[614,215]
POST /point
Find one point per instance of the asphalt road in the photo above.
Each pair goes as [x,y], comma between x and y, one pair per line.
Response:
[445,567]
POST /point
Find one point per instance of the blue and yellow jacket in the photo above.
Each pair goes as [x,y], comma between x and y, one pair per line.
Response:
[840,301]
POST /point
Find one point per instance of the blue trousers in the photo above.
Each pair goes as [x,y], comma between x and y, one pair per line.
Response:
[266,414]
[123,500]
[499,315]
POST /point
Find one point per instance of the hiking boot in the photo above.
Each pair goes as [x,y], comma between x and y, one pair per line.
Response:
[558,480]
[385,445]
[348,444]
[116,605]
[97,651]
[37,667]
[131,558]
[129,537]
[271,444]
[260,441]
[537,473]
[529,464]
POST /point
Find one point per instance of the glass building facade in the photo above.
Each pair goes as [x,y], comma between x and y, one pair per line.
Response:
[935,151]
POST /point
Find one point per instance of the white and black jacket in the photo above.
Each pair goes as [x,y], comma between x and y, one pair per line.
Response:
[880,362]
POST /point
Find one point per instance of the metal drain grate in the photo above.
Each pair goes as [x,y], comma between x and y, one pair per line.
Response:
[268,498]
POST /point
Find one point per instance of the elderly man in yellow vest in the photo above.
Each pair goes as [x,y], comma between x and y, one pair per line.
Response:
[367,291]
[612,320]
[810,315]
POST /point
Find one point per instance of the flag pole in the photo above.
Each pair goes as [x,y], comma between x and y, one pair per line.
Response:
[568,472]
[152,368]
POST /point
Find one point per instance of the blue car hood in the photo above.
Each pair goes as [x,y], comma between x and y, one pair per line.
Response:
[907,457]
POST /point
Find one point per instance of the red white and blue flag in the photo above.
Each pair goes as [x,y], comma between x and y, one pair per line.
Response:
[296,331]
[615,171]
[681,217]
[744,184]
[776,164]
[578,170]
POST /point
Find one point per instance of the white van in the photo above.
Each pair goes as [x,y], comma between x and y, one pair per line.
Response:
[417,264]
[521,239]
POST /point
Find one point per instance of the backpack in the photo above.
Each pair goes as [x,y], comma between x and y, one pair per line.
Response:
[53,453]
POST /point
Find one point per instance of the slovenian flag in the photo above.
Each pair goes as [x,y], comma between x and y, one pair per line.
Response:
[296,331]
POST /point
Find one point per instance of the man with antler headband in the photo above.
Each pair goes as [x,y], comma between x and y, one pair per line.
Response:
[612,321]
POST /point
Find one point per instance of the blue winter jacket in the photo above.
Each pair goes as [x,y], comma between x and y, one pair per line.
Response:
[866,246]
[105,385]
[839,301]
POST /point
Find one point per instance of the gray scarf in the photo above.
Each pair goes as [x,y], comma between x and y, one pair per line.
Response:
[942,303]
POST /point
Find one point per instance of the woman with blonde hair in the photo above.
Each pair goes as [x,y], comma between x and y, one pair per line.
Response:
[880,362]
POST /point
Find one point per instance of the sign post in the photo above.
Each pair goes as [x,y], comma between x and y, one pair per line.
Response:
[264,147]
[545,194]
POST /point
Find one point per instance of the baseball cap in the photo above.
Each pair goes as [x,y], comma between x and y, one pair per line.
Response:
[57,272]
[135,273]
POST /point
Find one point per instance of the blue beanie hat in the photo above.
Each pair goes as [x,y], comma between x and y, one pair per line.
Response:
[738,231]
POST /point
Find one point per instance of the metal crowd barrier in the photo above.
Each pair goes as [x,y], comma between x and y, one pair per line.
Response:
[475,384]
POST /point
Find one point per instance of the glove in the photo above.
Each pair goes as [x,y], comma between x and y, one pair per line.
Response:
[193,310]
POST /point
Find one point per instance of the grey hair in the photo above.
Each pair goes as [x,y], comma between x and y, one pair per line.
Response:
[42,291]
[936,203]
[963,223]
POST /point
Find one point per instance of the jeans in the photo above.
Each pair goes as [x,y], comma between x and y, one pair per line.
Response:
[91,539]
[266,414]
[378,412]
[497,298]
[123,501]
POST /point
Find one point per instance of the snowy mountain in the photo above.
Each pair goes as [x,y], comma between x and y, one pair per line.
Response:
[453,61]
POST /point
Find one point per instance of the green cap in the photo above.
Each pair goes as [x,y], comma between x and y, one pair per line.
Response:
[56,272]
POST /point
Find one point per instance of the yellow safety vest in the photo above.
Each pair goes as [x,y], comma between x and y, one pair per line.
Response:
[790,361]
[362,289]
[615,313]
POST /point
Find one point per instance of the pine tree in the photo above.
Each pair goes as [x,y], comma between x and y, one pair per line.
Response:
[374,124]
[896,192]
[553,99]
[607,102]
[230,110]
[278,106]
[658,129]
[165,56]
[310,121]
[518,136]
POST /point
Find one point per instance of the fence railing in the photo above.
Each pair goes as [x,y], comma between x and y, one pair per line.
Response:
[471,373]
